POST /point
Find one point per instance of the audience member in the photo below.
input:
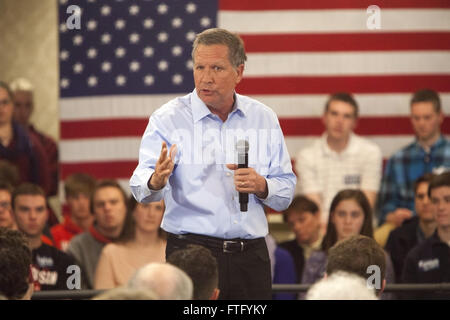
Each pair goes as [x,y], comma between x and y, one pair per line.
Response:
[23,92]
[350,214]
[303,217]
[141,242]
[6,216]
[340,159]
[429,261]
[49,265]
[15,261]
[430,150]
[124,293]
[282,267]
[362,256]
[415,230]
[108,203]
[341,286]
[19,148]
[9,173]
[78,189]
[166,280]
[201,266]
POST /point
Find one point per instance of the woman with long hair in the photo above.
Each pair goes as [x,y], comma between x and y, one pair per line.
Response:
[350,214]
[142,241]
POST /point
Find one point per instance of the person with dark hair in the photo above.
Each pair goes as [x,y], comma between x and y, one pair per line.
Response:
[19,148]
[340,159]
[303,217]
[350,214]
[142,241]
[414,230]
[429,151]
[187,157]
[49,265]
[78,217]
[15,262]
[201,266]
[355,255]
[23,92]
[429,261]
[6,215]
[109,205]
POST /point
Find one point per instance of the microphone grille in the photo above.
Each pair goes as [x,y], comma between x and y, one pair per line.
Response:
[242,146]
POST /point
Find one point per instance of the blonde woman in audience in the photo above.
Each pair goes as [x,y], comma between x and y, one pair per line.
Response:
[142,241]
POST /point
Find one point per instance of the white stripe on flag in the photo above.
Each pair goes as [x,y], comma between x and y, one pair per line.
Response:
[348,63]
[353,20]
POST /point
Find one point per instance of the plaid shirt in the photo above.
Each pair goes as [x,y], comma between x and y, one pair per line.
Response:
[403,169]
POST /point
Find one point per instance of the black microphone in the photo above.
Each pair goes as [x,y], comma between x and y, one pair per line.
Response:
[242,150]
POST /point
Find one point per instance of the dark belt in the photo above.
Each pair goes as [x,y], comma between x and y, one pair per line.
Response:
[224,245]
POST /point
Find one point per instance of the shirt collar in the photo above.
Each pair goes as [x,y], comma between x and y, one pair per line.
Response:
[438,143]
[200,110]
[328,151]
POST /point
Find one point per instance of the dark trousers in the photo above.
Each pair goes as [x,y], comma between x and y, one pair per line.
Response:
[243,275]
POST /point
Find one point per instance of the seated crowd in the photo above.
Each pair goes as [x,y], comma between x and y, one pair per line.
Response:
[348,216]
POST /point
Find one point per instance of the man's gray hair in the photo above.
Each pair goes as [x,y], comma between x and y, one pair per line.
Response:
[21,84]
[166,280]
[341,286]
[236,50]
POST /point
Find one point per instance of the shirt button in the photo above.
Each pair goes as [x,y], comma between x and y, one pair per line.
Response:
[235,222]
[228,174]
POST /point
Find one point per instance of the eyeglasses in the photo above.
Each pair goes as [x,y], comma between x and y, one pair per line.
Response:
[4,102]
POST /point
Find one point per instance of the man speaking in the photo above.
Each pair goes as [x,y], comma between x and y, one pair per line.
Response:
[188,156]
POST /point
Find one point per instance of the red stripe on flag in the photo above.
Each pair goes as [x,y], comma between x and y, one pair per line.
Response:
[366,126]
[325,42]
[294,126]
[100,170]
[103,128]
[354,84]
[249,5]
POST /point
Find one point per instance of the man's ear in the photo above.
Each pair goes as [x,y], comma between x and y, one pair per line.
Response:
[215,294]
[325,275]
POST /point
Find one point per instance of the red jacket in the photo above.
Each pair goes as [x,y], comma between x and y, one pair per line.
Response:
[62,233]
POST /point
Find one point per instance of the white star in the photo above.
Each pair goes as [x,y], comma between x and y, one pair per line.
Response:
[191,7]
[92,25]
[177,51]
[177,79]
[77,40]
[120,24]
[134,38]
[149,80]
[163,8]
[190,36]
[63,28]
[189,64]
[92,53]
[63,2]
[105,10]
[163,65]
[134,10]
[64,83]
[148,52]
[121,80]
[106,38]
[91,1]
[134,66]
[77,67]
[64,55]
[163,36]
[92,81]
[148,23]
[177,22]
[106,66]
[205,22]
[120,52]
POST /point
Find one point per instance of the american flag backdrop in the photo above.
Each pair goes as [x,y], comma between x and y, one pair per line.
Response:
[130,57]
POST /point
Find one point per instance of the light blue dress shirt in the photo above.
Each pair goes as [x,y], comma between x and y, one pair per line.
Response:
[200,195]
